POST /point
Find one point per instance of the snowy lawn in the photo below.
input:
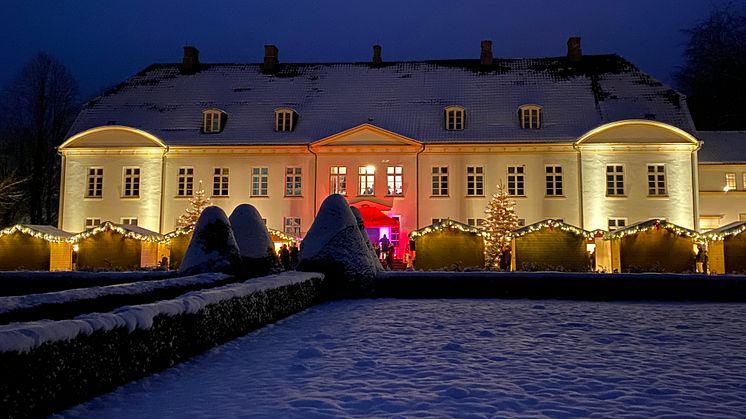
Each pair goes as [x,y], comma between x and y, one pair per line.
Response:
[463,358]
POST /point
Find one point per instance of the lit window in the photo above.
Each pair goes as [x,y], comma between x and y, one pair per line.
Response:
[475,222]
[521,222]
[730,181]
[212,120]
[614,180]
[92,222]
[128,221]
[454,118]
[616,223]
[530,116]
[516,180]
[95,182]
[185,181]
[338,180]
[474,181]
[259,181]
[440,181]
[292,226]
[285,120]
[366,178]
[394,182]
[220,181]
[554,180]
[656,180]
[293,181]
[131,182]
[395,234]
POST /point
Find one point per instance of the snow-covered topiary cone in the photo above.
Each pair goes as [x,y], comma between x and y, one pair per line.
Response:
[255,245]
[361,227]
[335,247]
[213,247]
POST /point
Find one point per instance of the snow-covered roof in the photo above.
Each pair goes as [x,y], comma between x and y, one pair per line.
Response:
[551,223]
[722,146]
[48,233]
[407,98]
[733,229]
[655,223]
[128,230]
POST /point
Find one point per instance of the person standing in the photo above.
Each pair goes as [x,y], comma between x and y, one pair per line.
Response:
[293,256]
[385,245]
[285,257]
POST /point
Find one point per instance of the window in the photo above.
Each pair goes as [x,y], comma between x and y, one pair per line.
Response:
[440,181]
[395,235]
[554,180]
[185,181]
[709,222]
[521,222]
[92,222]
[730,182]
[285,120]
[220,181]
[530,116]
[131,182]
[338,180]
[656,180]
[259,181]
[516,180]
[128,220]
[454,118]
[475,222]
[293,181]
[474,181]
[212,121]
[394,180]
[292,226]
[617,223]
[614,180]
[366,177]
[95,182]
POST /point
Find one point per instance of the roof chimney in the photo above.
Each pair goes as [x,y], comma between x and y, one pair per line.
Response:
[271,62]
[377,55]
[485,58]
[574,52]
[190,62]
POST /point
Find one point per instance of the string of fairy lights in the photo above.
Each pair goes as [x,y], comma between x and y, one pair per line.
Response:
[446,224]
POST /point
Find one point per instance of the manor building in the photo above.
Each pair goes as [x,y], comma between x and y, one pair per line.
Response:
[588,139]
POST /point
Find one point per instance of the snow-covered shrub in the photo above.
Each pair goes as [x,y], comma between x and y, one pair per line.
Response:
[335,247]
[364,234]
[255,245]
[213,247]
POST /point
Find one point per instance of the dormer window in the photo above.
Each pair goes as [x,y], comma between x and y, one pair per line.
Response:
[285,119]
[530,116]
[455,118]
[212,120]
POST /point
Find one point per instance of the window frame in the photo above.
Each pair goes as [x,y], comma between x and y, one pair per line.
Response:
[439,178]
[475,181]
[395,178]
[518,179]
[259,181]
[220,182]
[292,226]
[616,221]
[615,180]
[554,180]
[128,220]
[94,182]
[657,177]
[529,116]
[212,121]
[338,180]
[95,222]
[475,222]
[728,177]
[285,119]
[454,118]
[293,181]
[131,182]
[185,181]
[366,180]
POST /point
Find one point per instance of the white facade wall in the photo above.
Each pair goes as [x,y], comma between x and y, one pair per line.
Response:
[715,201]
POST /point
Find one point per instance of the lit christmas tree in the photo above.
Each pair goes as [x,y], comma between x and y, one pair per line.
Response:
[197,203]
[499,222]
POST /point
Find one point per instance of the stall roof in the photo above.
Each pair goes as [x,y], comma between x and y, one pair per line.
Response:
[552,223]
[48,233]
[651,224]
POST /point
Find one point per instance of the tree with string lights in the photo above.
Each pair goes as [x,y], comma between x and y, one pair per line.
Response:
[197,204]
[500,221]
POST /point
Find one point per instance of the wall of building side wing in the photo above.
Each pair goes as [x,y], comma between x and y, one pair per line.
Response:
[715,200]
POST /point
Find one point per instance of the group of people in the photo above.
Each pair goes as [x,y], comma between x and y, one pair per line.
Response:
[385,252]
[288,256]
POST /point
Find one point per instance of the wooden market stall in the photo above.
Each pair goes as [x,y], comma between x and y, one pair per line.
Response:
[112,246]
[446,245]
[550,245]
[653,246]
[279,238]
[177,243]
[35,248]
[726,248]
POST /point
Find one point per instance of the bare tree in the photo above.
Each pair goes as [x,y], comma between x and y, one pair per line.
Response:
[38,108]
[714,73]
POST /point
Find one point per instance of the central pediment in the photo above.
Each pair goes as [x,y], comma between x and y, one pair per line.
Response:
[365,135]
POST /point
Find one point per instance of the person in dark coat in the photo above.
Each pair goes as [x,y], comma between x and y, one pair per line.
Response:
[285,257]
[293,256]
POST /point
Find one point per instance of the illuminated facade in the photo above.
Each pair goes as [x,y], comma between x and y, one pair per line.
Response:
[589,140]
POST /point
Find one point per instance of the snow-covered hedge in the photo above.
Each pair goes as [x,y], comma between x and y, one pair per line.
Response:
[27,282]
[49,365]
[70,303]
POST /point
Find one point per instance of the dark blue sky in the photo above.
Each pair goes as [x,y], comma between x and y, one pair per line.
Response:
[104,42]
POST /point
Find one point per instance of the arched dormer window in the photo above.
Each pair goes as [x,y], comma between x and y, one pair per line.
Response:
[529,116]
[285,119]
[455,118]
[213,121]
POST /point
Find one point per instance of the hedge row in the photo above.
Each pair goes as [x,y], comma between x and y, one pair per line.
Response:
[70,303]
[27,282]
[42,377]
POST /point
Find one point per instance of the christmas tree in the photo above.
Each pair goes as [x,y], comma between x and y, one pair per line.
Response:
[197,203]
[498,225]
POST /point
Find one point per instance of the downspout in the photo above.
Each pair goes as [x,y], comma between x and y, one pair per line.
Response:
[580,185]
[163,189]
[695,184]
[60,211]
[417,182]
[315,176]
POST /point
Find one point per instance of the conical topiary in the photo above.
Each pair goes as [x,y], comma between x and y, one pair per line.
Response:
[213,247]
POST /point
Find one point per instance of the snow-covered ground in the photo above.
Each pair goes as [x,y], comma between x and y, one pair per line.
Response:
[461,358]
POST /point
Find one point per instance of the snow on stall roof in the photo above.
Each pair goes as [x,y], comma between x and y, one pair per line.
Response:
[22,337]
[403,97]
[126,229]
[722,146]
[43,231]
